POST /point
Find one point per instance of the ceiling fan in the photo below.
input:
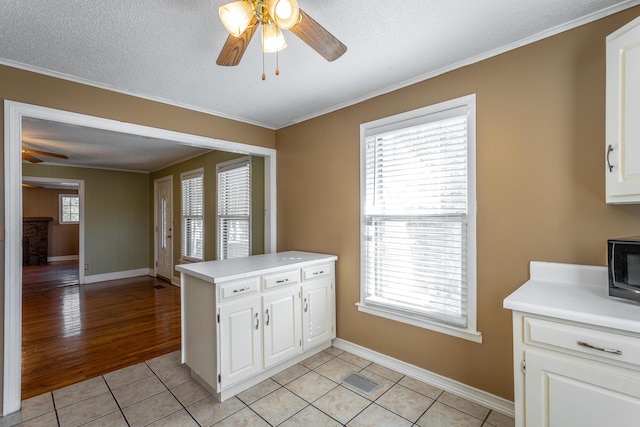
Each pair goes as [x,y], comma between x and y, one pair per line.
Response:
[27,154]
[242,18]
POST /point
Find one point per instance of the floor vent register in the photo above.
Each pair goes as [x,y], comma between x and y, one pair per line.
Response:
[360,383]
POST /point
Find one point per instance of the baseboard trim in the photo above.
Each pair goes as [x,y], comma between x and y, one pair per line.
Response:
[175,281]
[63,258]
[483,398]
[116,275]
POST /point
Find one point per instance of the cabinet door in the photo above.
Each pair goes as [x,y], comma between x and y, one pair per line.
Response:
[281,314]
[570,391]
[318,323]
[622,113]
[240,340]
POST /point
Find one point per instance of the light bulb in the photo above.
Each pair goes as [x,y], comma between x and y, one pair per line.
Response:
[284,12]
[272,38]
[236,17]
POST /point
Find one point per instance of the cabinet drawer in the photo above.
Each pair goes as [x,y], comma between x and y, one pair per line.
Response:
[317,271]
[604,345]
[237,288]
[281,279]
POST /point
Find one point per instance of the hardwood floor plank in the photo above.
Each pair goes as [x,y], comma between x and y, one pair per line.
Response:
[73,333]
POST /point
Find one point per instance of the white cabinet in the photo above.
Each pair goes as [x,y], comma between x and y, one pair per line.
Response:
[622,153]
[281,324]
[240,340]
[576,350]
[317,316]
[244,320]
[568,391]
[573,374]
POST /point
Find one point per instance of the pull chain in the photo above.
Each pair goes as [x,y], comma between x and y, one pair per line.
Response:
[264,76]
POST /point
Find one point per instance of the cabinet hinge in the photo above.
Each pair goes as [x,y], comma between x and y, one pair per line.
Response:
[156,263]
[523,367]
[219,378]
[218,318]
[300,343]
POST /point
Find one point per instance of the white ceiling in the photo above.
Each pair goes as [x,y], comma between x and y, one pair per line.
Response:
[166,50]
[99,148]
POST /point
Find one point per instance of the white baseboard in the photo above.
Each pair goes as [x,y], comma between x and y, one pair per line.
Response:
[480,397]
[116,275]
[63,258]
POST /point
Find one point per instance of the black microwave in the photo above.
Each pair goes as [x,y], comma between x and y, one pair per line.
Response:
[624,268]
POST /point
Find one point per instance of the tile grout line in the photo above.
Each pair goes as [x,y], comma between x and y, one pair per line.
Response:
[174,396]
[115,400]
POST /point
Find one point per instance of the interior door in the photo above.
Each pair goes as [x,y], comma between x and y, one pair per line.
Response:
[164,227]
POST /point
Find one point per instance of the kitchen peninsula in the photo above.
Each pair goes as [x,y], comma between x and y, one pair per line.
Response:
[246,319]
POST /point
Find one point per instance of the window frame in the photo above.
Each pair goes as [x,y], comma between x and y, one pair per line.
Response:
[61,198]
[223,167]
[405,120]
[183,177]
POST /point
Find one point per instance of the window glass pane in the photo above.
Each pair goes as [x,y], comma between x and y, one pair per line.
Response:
[69,208]
[415,211]
[234,209]
[193,215]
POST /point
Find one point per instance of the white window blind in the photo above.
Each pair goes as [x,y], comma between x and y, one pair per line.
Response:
[415,216]
[193,215]
[234,208]
[69,209]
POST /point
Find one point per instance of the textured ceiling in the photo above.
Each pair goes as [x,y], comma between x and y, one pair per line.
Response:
[165,50]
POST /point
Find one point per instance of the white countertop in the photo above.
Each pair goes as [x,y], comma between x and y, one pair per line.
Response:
[239,268]
[577,293]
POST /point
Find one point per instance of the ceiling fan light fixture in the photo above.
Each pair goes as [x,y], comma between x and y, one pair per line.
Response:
[236,16]
[272,38]
[285,13]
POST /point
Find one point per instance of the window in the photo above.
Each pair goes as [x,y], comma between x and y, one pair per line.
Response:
[193,215]
[234,208]
[69,209]
[418,218]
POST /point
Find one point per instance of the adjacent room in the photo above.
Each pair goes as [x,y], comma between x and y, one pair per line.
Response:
[296,213]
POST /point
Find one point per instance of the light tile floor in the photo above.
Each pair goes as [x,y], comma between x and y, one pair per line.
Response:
[161,393]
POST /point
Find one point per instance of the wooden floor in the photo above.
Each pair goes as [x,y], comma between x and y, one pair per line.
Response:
[72,333]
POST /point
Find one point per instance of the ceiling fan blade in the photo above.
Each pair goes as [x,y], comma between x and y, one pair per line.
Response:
[43,153]
[316,36]
[30,158]
[27,185]
[234,47]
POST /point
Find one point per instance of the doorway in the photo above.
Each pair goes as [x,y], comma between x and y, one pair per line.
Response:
[14,113]
[77,185]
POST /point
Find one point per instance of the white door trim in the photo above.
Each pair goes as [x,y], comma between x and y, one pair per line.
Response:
[13,114]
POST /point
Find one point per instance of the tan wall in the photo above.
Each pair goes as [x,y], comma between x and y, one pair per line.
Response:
[31,88]
[540,191]
[45,202]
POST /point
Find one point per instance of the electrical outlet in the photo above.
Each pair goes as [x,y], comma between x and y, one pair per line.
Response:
[86,266]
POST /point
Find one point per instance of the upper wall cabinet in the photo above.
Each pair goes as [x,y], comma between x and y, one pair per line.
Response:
[622,155]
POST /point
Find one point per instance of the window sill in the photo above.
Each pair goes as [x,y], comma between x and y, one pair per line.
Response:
[467,334]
